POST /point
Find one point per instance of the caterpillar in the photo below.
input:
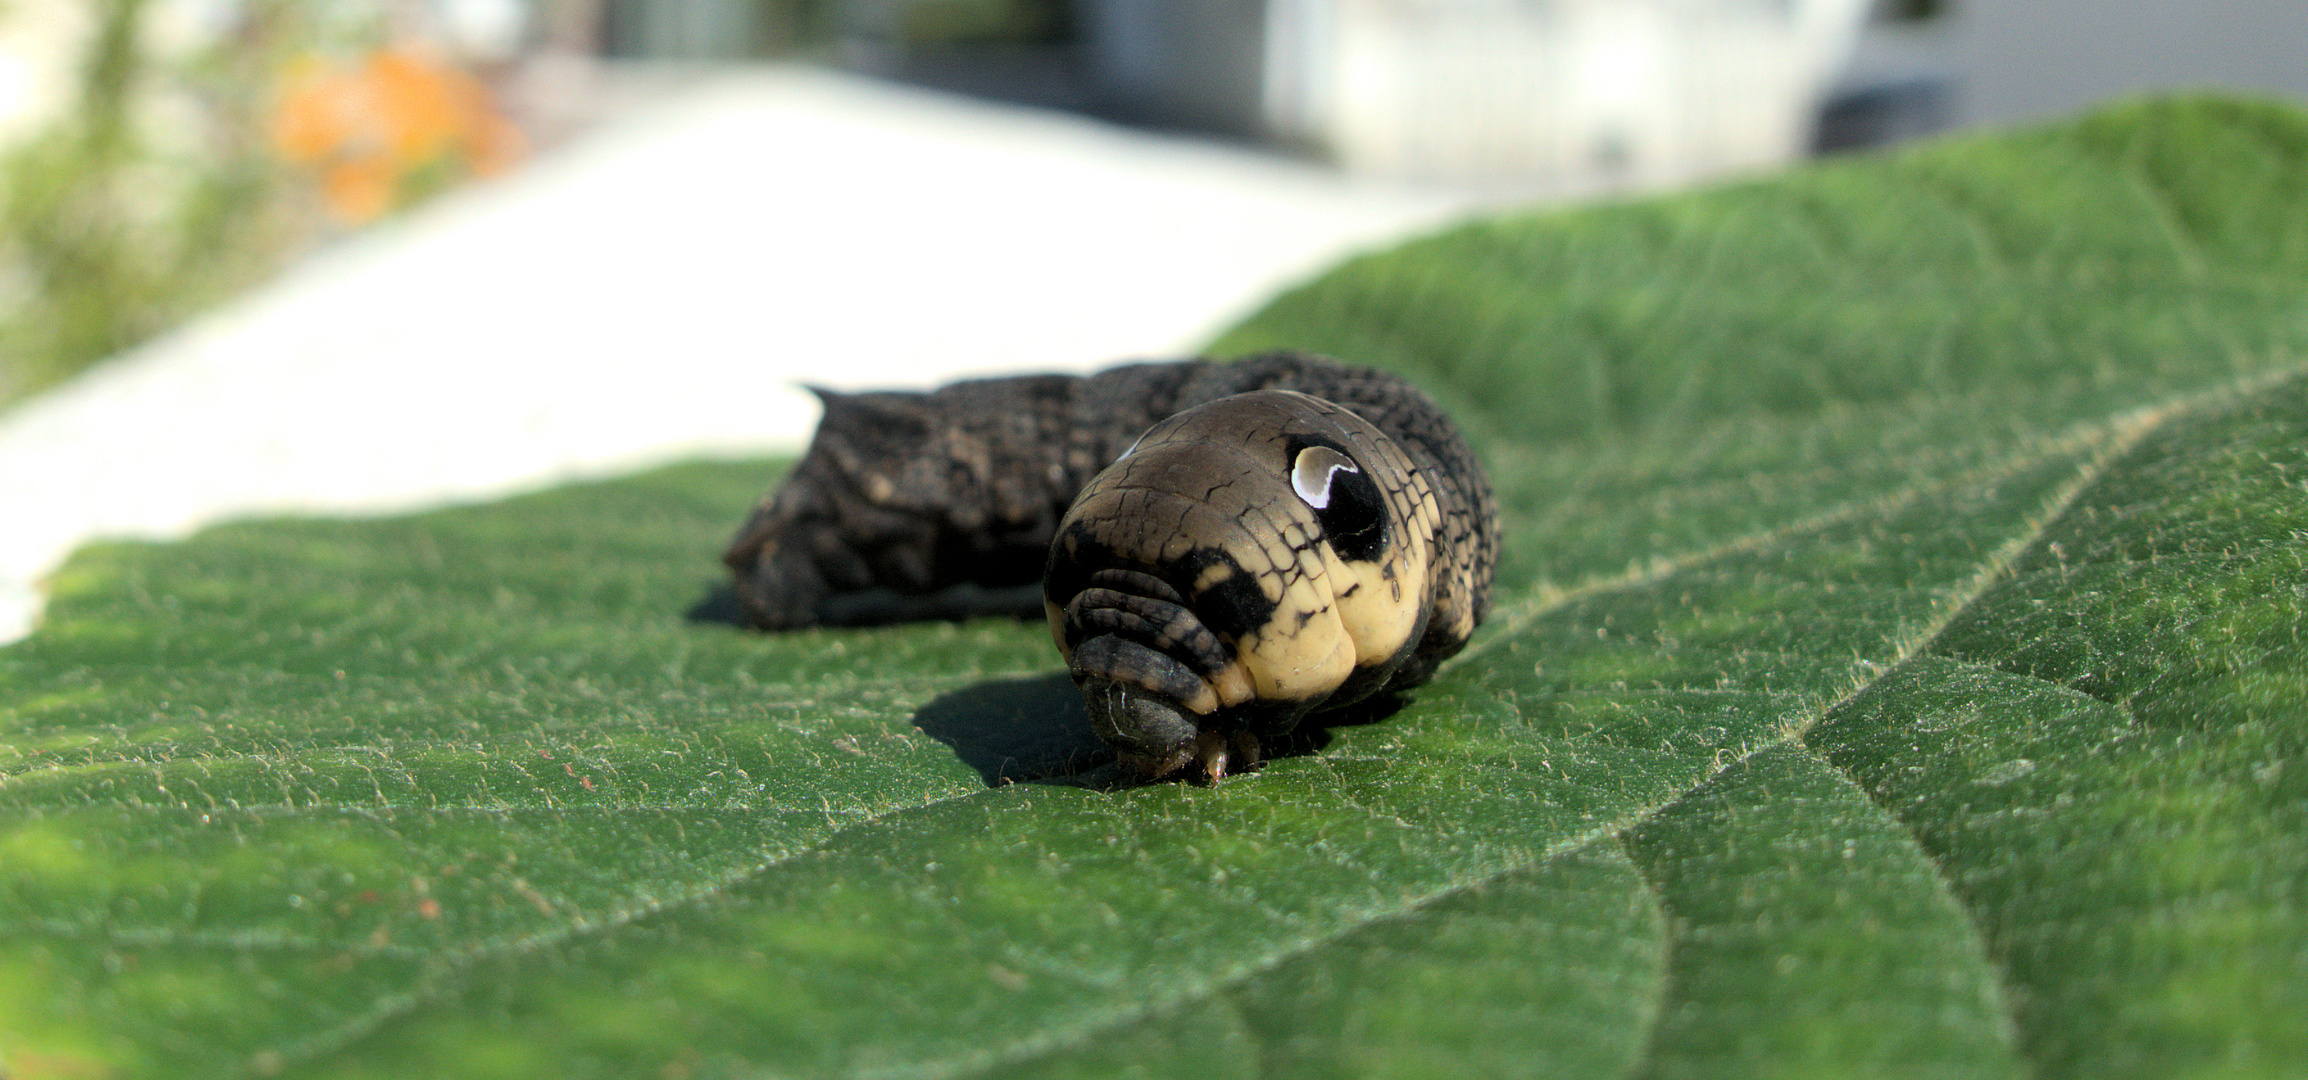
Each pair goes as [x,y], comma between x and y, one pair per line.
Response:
[1221,548]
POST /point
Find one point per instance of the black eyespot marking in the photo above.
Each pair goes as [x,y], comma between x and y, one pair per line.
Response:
[1313,470]
[1352,511]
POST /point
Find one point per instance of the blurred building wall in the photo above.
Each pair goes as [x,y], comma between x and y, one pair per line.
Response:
[1576,92]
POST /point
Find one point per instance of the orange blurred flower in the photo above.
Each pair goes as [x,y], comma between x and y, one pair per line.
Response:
[389,129]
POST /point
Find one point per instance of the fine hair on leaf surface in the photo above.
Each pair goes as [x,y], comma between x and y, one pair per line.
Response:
[1897,671]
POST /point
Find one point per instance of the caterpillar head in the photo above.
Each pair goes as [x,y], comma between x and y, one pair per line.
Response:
[1245,563]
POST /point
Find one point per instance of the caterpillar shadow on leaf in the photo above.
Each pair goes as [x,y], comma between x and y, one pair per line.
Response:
[1036,730]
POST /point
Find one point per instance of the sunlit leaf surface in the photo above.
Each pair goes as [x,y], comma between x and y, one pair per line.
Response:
[1899,672]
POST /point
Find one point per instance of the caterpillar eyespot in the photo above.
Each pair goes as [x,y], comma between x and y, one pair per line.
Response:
[1311,473]
[1221,549]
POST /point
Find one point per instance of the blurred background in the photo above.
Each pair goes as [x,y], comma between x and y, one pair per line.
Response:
[159,155]
[283,257]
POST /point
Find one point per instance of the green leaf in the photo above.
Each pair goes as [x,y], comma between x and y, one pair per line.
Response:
[1898,672]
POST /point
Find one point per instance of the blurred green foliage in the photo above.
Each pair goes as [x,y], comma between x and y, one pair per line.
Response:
[154,195]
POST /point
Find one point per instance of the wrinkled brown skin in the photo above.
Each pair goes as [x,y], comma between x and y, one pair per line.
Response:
[919,498]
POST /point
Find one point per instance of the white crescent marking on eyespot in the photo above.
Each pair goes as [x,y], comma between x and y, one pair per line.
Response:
[1311,474]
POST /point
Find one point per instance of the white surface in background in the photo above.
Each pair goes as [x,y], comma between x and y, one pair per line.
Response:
[656,291]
